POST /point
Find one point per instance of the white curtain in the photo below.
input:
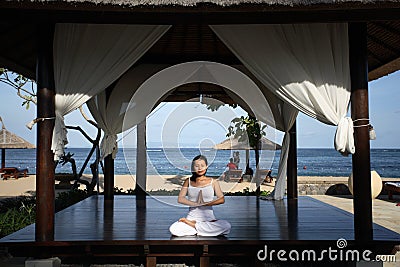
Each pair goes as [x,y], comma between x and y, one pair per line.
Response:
[88,58]
[150,92]
[306,65]
[275,103]
[110,113]
[289,115]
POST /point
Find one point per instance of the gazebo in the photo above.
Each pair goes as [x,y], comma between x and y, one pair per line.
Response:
[83,51]
[9,140]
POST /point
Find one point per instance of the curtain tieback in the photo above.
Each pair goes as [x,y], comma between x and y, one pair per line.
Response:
[344,139]
[109,145]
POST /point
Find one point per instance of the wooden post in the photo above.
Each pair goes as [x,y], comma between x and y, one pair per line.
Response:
[44,230]
[3,158]
[292,165]
[108,178]
[293,218]
[204,261]
[292,191]
[109,163]
[151,261]
[141,162]
[259,179]
[204,258]
[108,220]
[359,111]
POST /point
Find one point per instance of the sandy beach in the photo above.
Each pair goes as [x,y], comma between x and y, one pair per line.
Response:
[22,186]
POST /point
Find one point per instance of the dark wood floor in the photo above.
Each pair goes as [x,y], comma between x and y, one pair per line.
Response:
[254,223]
[251,219]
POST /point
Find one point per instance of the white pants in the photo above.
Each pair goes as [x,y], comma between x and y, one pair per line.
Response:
[214,228]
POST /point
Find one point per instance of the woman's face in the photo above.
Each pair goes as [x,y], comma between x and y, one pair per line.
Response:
[199,167]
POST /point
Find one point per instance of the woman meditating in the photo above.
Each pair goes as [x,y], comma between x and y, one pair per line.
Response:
[200,199]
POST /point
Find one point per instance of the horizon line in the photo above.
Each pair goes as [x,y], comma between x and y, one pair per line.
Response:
[155,147]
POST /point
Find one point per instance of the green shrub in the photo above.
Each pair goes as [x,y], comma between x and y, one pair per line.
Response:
[163,192]
[246,192]
[16,218]
[19,212]
[15,202]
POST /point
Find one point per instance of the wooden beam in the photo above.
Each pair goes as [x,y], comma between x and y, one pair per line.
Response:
[292,165]
[359,111]
[210,14]
[44,228]
[108,178]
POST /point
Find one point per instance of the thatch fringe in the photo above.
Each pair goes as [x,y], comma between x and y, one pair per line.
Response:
[223,3]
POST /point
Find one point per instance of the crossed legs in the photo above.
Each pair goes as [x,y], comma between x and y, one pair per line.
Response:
[209,228]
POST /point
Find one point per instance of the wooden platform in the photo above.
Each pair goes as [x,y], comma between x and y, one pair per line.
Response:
[94,232]
[391,188]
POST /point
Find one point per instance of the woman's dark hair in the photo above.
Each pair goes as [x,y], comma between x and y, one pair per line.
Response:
[194,174]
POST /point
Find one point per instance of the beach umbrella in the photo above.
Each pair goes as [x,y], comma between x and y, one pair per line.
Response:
[235,144]
[9,140]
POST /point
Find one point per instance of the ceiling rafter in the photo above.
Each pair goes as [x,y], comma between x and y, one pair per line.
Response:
[387,46]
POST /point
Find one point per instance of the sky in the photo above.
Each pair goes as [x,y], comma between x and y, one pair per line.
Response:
[192,125]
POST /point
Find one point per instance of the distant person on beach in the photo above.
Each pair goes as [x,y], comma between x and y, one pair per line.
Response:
[236,158]
[198,192]
[231,165]
[249,171]
[268,177]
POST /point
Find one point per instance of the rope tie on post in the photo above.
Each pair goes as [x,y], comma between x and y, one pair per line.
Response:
[372,134]
[33,122]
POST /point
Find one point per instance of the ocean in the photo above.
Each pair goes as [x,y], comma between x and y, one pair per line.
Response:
[176,161]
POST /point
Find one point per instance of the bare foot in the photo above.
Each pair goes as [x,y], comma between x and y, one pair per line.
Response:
[188,222]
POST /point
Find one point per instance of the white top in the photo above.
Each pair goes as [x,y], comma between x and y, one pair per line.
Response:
[201,213]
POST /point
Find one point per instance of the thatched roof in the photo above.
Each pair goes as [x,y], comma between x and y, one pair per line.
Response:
[223,3]
[190,38]
[234,144]
[11,140]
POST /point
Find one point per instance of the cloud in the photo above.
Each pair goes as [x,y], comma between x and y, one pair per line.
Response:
[309,134]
